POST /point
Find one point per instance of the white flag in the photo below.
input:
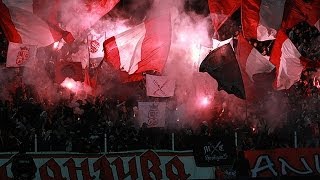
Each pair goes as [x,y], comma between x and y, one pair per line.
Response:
[159,86]
[21,55]
[152,113]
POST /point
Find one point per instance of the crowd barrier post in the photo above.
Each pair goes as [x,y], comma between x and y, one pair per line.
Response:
[236,139]
[295,140]
[172,141]
[105,143]
[35,143]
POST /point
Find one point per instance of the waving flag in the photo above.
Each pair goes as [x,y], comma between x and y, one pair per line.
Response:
[252,61]
[79,15]
[21,55]
[68,69]
[294,13]
[221,10]
[300,10]
[159,86]
[261,18]
[286,58]
[140,49]
[222,65]
[313,15]
[24,22]
[96,46]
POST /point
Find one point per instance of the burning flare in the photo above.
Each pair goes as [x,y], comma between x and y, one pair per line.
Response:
[70,84]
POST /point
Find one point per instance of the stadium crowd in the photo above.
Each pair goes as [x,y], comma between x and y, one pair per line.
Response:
[81,125]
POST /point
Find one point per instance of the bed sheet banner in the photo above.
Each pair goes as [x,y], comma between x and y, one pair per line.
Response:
[214,151]
[128,165]
[284,162]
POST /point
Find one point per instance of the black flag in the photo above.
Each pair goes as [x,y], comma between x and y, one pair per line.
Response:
[68,69]
[223,66]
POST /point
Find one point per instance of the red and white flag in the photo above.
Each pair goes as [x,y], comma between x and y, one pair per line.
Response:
[152,113]
[286,58]
[251,60]
[140,49]
[299,11]
[21,55]
[221,10]
[159,86]
[261,18]
[96,46]
[25,22]
[294,13]
[79,15]
[313,15]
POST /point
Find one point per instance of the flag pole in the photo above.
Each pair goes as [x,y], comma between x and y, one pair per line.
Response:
[239,55]
[198,63]
[88,64]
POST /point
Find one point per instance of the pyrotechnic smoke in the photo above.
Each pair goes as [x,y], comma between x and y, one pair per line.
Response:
[191,37]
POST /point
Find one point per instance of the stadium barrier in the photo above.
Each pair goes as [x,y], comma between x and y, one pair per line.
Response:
[125,165]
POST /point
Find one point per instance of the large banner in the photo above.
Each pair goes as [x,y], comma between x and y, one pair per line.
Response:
[284,162]
[129,165]
[210,151]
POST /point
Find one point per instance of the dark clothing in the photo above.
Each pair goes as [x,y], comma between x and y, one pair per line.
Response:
[242,167]
[23,166]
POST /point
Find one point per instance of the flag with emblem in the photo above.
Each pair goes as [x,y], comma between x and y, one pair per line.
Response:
[159,86]
[96,46]
[21,55]
[68,69]
[152,114]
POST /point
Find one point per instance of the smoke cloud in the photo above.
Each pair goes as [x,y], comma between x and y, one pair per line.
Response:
[191,39]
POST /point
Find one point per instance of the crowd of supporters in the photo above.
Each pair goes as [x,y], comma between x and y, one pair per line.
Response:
[84,125]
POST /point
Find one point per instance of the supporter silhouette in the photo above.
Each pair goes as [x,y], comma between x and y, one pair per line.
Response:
[242,166]
[23,166]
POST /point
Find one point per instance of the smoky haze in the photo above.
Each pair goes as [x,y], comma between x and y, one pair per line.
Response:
[191,34]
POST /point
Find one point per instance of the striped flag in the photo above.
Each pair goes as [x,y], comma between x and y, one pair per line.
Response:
[221,10]
[140,49]
[286,58]
[261,18]
[25,22]
[251,60]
